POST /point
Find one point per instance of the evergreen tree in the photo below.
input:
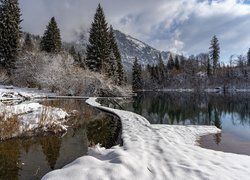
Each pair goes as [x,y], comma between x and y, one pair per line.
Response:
[114,48]
[137,83]
[28,44]
[81,60]
[209,70]
[214,53]
[51,40]
[98,49]
[10,32]
[170,64]
[176,63]
[248,57]
[182,61]
[161,69]
[73,53]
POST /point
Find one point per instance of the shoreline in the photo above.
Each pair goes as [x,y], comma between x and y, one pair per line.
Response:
[154,152]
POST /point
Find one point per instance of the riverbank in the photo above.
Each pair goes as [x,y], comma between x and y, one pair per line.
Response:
[155,152]
[22,116]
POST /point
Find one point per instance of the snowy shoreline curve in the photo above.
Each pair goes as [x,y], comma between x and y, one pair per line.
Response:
[154,152]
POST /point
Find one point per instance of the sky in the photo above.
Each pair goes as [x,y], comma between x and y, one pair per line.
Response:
[181,26]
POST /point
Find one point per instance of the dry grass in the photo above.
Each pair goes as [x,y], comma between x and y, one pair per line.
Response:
[44,118]
[9,126]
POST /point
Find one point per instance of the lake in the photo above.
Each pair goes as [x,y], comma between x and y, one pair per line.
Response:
[229,112]
[32,158]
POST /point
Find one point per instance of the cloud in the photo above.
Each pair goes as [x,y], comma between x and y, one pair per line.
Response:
[178,25]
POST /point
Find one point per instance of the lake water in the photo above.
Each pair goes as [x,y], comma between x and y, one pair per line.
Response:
[32,158]
[230,112]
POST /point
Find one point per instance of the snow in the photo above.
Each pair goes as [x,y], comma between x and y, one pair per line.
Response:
[31,117]
[155,152]
[15,93]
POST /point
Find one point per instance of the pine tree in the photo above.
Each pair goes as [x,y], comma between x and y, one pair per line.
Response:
[114,48]
[209,70]
[137,83]
[248,57]
[73,53]
[176,63]
[170,64]
[51,40]
[28,44]
[10,32]
[98,49]
[214,53]
[81,60]
[161,69]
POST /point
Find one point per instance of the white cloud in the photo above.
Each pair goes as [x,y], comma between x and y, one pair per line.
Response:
[179,25]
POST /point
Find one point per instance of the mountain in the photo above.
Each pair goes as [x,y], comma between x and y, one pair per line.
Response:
[130,48]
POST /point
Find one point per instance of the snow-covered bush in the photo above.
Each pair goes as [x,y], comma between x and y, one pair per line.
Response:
[60,74]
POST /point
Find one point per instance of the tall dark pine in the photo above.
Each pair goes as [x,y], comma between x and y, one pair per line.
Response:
[98,49]
[51,41]
[177,63]
[209,69]
[73,53]
[170,64]
[214,53]
[137,83]
[248,57]
[10,32]
[28,44]
[161,69]
[114,48]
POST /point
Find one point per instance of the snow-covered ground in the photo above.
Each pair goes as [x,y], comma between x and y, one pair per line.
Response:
[32,118]
[15,93]
[155,152]
[27,118]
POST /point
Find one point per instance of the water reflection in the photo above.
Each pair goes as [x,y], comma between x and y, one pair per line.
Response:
[191,108]
[32,158]
[229,112]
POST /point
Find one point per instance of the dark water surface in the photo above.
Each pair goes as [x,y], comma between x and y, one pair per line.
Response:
[230,112]
[33,157]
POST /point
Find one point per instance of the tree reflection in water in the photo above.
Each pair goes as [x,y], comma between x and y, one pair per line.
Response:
[31,158]
[190,108]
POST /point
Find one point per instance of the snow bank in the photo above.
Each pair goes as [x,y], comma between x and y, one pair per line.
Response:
[30,117]
[10,93]
[155,152]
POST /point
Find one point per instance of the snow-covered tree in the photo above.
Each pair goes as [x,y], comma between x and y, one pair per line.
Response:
[73,53]
[137,83]
[98,49]
[28,44]
[51,40]
[248,57]
[10,32]
[214,53]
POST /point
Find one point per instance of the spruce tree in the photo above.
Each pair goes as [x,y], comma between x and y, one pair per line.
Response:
[10,32]
[214,53]
[73,53]
[98,49]
[119,67]
[209,70]
[161,69]
[81,60]
[177,63]
[170,64]
[51,40]
[28,44]
[137,83]
[248,57]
